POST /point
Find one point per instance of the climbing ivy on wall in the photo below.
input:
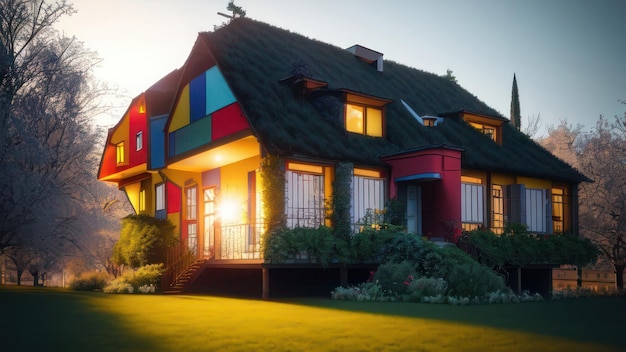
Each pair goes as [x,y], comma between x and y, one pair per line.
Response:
[340,203]
[273,181]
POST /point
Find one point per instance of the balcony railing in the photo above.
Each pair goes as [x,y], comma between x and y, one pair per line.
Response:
[242,241]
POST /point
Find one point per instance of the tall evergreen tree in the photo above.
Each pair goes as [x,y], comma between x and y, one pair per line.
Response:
[516,117]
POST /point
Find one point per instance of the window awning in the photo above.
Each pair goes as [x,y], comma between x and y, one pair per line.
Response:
[423,177]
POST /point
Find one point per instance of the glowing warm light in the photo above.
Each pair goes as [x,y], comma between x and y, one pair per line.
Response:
[228,211]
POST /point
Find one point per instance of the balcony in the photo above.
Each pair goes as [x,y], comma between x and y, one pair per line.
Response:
[234,242]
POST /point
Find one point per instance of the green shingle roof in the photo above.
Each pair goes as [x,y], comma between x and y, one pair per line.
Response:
[256,57]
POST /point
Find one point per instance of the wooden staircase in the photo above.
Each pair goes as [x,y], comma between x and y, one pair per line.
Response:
[186,278]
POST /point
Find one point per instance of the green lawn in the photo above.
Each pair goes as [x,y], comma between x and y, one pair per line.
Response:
[40,319]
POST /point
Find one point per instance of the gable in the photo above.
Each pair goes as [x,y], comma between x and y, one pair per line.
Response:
[206,110]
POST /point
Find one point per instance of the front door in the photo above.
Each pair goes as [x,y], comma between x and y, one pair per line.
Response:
[414,210]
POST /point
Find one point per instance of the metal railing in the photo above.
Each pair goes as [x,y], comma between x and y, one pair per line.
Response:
[179,259]
[242,241]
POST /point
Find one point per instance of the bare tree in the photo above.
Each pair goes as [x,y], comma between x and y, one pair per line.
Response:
[603,202]
[564,141]
[532,126]
[51,205]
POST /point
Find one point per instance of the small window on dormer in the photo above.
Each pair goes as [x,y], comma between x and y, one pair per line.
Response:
[364,120]
[490,131]
[139,140]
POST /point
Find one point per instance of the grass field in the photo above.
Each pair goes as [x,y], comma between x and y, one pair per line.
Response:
[41,319]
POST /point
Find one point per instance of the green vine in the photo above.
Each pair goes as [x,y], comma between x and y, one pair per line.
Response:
[273,180]
[340,203]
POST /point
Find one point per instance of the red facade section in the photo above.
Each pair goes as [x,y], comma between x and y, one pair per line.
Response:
[438,173]
[138,124]
[227,121]
[173,198]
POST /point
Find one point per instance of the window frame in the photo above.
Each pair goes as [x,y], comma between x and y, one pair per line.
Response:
[297,195]
[142,200]
[365,111]
[120,153]
[139,141]
[473,209]
[367,186]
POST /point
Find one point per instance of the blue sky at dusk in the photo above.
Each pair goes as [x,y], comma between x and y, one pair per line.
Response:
[569,56]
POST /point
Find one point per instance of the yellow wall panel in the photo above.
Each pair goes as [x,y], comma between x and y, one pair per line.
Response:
[122,131]
[534,182]
[180,117]
[132,192]
[501,179]
[233,193]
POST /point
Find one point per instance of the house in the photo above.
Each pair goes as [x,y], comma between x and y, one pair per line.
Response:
[192,146]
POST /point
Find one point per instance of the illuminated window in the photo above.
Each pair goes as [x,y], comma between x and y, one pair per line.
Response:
[364,120]
[497,216]
[119,149]
[557,210]
[368,199]
[305,200]
[139,140]
[536,210]
[191,217]
[192,203]
[142,200]
[472,206]
[490,131]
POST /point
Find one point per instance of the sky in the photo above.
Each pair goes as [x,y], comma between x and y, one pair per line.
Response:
[569,56]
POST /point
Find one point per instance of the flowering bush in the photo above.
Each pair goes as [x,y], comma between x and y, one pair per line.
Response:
[367,291]
[119,285]
[143,280]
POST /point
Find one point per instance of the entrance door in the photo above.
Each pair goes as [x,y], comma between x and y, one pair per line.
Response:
[414,209]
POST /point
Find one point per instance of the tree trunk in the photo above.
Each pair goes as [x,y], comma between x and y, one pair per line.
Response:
[619,277]
[35,275]
[19,276]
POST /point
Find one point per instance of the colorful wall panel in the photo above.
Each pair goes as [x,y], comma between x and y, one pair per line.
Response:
[218,94]
[206,110]
[197,98]
[191,136]
[157,142]
[228,121]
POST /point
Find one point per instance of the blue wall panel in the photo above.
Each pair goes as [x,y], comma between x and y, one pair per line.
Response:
[197,98]
[218,94]
[157,142]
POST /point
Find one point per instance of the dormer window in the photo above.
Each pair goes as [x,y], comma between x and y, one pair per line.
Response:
[491,126]
[364,120]
[364,114]
[490,131]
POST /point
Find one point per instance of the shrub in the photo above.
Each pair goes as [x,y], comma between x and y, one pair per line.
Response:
[368,245]
[367,291]
[318,243]
[119,285]
[394,276]
[90,281]
[143,240]
[465,276]
[405,247]
[143,280]
[425,287]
